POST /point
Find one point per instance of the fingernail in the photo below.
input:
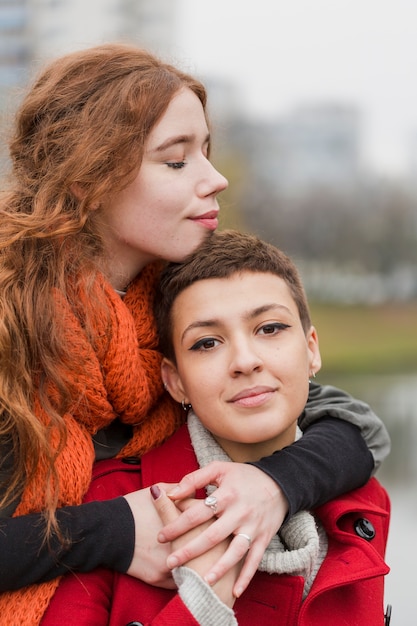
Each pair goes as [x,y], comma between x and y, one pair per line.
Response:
[172,562]
[155,492]
[173,491]
[210,578]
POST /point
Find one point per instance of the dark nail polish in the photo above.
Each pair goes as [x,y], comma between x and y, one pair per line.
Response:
[155,492]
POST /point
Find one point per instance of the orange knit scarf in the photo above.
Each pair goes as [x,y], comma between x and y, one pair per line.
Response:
[121,379]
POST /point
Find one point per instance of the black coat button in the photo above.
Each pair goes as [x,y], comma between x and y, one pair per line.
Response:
[131,460]
[364,528]
[134,624]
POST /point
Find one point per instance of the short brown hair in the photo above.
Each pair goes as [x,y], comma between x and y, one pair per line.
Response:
[221,255]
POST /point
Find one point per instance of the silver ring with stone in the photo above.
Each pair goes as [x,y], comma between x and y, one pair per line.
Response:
[211,502]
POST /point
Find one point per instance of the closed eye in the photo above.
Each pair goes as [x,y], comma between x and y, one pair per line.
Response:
[176,165]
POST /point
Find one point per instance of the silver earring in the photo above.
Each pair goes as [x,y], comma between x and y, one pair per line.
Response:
[312,375]
[185,405]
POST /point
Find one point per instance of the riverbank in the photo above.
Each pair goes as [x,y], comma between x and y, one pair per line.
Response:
[367,339]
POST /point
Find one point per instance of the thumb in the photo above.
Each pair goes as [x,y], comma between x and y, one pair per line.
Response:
[166,509]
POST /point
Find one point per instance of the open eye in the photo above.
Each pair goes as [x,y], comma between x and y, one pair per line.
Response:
[272,328]
[207,343]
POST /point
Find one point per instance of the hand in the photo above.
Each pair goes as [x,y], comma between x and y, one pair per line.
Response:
[150,556]
[249,502]
[169,512]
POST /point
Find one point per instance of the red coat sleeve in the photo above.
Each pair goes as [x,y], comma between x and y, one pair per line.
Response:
[94,598]
[82,599]
[107,598]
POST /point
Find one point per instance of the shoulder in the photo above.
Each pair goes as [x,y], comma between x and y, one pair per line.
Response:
[170,461]
[360,515]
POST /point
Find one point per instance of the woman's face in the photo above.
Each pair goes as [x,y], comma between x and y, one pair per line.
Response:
[243,360]
[171,205]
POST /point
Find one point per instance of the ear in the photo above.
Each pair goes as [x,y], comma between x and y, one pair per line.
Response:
[78,191]
[172,380]
[313,350]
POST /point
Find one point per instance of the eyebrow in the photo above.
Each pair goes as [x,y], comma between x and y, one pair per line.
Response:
[177,140]
[210,323]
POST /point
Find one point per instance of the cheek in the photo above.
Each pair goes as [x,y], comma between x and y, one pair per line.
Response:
[294,366]
[300,372]
[164,198]
[203,386]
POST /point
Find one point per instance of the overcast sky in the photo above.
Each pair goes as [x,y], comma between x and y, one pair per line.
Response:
[284,52]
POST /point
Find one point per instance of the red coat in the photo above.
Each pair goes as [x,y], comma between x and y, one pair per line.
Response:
[348,589]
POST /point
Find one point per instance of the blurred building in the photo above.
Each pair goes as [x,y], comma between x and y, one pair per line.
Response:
[320,147]
[14,45]
[313,147]
[34,31]
[59,26]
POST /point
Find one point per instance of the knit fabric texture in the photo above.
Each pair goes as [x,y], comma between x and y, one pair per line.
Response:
[301,544]
[120,378]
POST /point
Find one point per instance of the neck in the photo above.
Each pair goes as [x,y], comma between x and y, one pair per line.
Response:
[119,282]
[248,452]
[121,272]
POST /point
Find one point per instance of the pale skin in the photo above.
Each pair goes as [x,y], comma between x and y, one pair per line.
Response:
[260,359]
[168,512]
[171,205]
[165,213]
[259,513]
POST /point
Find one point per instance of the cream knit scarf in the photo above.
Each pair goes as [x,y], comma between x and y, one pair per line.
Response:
[300,546]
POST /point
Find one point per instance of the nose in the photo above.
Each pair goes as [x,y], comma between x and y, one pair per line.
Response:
[212,182]
[244,359]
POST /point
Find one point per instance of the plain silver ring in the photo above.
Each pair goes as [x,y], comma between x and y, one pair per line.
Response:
[248,539]
[211,502]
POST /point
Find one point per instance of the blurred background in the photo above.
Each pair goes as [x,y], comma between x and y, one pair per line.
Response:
[314,112]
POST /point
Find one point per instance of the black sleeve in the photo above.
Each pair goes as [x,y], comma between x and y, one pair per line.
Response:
[329,401]
[100,533]
[331,458]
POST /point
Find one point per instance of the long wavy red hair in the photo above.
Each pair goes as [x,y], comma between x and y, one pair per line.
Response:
[82,127]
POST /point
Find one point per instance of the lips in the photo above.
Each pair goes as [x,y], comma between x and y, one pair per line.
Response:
[253,397]
[208,220]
